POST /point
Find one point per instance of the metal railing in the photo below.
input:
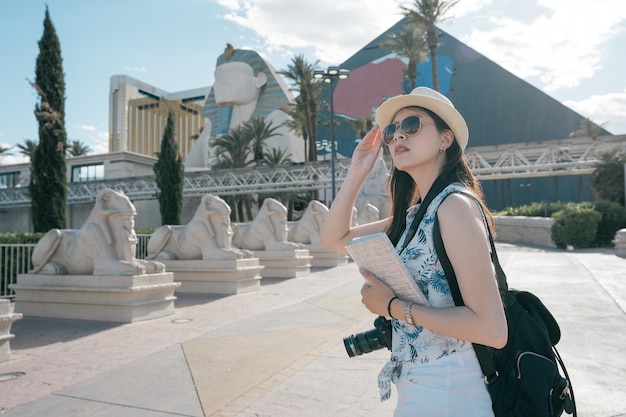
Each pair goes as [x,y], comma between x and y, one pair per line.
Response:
[571,156]
[14,259]
[141,251]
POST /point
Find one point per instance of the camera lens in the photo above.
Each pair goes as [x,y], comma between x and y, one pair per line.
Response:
[361,343]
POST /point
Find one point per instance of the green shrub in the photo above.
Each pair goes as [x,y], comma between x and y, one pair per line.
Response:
[576,225]
[147,231]
[14,238]
[533,210]
[613,219]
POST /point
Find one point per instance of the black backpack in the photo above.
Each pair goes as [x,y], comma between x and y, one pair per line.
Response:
[523,378]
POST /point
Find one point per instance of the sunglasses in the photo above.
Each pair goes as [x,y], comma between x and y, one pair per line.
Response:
[409,126]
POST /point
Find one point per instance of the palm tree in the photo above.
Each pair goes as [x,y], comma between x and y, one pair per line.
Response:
[275,157]
[411,44]
[429,13]
[28,148]
[360,126]
[588,129]
[300,73]
[297,123]
[233,151]
[259,130]
[607,178]
[233,148]
[78,148]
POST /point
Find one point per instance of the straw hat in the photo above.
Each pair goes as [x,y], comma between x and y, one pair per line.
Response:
[428,99]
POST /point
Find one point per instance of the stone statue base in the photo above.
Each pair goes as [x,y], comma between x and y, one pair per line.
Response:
[234,276]
[620,243]
[123,299]
[284,263]
[7,317]
[324,258]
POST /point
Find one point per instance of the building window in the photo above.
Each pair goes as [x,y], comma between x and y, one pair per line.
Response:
[81,173]
[9,179]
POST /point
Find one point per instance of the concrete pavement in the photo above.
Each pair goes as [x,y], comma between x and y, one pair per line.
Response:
[279,352]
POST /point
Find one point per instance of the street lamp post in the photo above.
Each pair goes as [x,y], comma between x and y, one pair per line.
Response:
[329,76]
[528,189]
[323,145]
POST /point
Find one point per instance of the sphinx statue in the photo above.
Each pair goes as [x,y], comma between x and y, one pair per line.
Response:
[307,230]
[268,231]
[104,245]
[246,87]
[368,213]
[374,191]
[208,235]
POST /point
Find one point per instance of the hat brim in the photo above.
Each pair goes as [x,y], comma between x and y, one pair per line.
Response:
[387,110]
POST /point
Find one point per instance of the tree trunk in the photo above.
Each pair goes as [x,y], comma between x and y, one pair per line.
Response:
[432,46]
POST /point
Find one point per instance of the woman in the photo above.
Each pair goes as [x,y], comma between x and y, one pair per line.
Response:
[432,361]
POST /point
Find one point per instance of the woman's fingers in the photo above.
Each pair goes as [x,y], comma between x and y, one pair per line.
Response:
[372,139]
[375,294]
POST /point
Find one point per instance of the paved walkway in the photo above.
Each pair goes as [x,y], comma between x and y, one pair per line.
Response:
[279,352]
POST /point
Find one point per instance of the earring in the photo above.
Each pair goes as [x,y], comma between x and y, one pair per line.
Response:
[442,150]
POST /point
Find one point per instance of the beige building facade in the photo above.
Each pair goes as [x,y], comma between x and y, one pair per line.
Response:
[138,116]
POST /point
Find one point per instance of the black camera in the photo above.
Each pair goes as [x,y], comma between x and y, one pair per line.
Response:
[366,342]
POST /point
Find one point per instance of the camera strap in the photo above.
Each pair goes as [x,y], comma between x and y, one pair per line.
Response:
[435,189]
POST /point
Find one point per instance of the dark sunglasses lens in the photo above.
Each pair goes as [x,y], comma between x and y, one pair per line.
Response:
[388,133]
[411,125]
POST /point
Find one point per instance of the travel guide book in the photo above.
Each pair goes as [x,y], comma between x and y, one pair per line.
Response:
[377,254]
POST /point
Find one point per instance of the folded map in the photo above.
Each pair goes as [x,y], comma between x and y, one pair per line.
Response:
[377,254]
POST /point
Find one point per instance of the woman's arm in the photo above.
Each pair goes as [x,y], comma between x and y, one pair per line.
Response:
[337,231]
[482,319]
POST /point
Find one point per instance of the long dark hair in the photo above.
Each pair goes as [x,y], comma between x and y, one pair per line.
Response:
[403,192]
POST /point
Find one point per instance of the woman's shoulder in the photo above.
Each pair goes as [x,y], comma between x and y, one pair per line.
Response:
[458,202]
[453,191]
[456,187]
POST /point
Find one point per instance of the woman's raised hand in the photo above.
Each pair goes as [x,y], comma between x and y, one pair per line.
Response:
[366,153]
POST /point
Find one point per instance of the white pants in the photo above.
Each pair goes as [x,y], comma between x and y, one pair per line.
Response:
[452,386]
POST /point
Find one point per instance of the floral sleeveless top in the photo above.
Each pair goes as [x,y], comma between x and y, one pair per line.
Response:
[416,344]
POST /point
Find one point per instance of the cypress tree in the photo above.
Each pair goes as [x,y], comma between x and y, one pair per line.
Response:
[48,183]
[169,173]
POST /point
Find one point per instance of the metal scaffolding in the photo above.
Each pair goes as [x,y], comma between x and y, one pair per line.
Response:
[532,159]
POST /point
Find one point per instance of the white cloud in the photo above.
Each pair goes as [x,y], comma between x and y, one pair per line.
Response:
[97,138]
[604,108]
[554,44]
[99,143]
[465,7]
[334,29]
[135,69]
[229,4]
[560,48]
[557,42]
[13,157]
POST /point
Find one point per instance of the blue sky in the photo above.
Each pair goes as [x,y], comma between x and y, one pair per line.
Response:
[562,47]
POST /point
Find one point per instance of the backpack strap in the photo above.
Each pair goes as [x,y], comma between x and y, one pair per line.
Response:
[482,352]
[436,188]
[441,251]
